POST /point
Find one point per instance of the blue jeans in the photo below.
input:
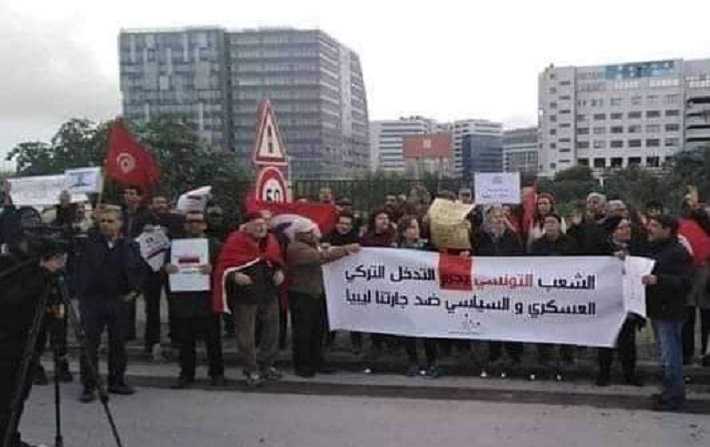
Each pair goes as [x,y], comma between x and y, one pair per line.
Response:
[669,342]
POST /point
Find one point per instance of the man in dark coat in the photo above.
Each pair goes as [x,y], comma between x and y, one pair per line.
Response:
[110,274]
[666,290]
[193,316]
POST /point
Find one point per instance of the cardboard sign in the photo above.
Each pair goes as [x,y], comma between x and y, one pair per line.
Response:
[448,225]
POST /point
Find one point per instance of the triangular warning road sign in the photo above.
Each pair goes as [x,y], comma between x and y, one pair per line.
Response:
[269,148]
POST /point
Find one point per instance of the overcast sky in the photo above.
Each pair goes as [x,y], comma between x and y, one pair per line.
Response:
[444,59]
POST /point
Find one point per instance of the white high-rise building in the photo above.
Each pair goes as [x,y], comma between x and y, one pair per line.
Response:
[387,137]
[614,116]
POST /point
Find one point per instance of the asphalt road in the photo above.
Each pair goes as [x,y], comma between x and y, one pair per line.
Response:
[199,417]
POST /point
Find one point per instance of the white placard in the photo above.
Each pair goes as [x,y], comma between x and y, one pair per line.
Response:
[195,200]
[86,180]
[497,188]
[187,255]
[635,268]
[154,246]
[563,300]
[40,191]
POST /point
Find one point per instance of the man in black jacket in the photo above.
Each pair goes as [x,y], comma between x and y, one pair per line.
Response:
[110,273]
[193,315]
[666,289]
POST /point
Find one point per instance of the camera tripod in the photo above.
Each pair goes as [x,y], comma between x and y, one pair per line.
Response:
[29,357]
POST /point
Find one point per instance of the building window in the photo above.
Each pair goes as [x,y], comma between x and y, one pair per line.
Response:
[653,142]
[652,99]
[553,145]
[672,142]
[634,143]
[553,118]
[583,161]
[616,162]
[563,150]
[617,129]
[600,162]
[653,128]
[653,113]
[672,99]
[565,125]
[565,98]
[653,162]
[553,131]
[674,112]
[616,101]
[617,144]
[583,130]
[565,82]
[581,117]
[582,144]
[564,140]
[599,144]
[553,105]
[635,128]
[634,115]
[599,130]
[672,127]
[565,112]
[634,161]
[599,116]
[636,100]
[617,116]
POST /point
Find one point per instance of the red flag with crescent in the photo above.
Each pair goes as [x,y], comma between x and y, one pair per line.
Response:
[127,161]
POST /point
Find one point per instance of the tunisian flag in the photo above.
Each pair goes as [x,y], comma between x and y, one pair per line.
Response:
[127,162]
[323,214]
[240,252]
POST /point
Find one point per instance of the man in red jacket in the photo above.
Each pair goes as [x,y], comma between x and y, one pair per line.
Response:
[249,272]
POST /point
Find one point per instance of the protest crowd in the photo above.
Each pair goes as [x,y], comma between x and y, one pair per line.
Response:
[266,271]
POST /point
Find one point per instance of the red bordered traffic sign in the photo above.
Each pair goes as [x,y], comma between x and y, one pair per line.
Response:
[271,185]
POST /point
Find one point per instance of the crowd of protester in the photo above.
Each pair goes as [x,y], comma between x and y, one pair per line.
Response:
[272,276]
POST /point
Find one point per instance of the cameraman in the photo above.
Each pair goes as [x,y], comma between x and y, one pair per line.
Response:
[24,282]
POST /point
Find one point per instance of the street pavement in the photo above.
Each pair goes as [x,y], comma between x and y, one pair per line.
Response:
[162,417]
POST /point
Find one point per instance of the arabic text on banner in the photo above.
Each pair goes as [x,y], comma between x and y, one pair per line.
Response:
[564,300]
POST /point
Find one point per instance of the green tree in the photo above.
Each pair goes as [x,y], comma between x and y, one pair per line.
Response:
[636,186]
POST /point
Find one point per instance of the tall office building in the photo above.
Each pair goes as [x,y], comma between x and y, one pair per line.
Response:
[461,128]
[387,141]
[520,150]
[216,79]
[613,116]
[178,72]
[482,153]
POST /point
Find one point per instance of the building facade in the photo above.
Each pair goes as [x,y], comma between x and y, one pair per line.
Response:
[461,128]
[520,150]
[482,153]
[216,79]
[614,116]
[387,141]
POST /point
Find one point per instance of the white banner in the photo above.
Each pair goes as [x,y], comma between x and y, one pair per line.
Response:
[195,200]
[497,187]
[39,191]
[570,300]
